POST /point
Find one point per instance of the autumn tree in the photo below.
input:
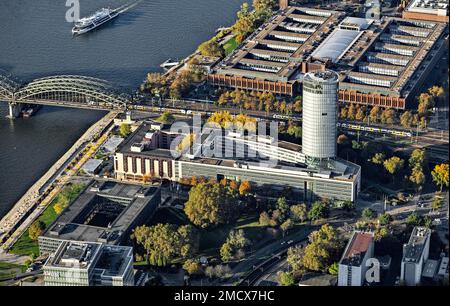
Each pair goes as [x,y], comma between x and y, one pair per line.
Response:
[299,212]
[192,267]
[437,203]
[236,242]
[124,130]
[244,25]
[156,84]
[211,205]
[378,158]
[374,114]
[166,118]
[285,278]
[211,48]
[417,163]
[323,249]
[286,226]
[388,116]
[440,175]
[393,165]
[425,103]
[245,188]
[164,242]
[36,229]
[406,119]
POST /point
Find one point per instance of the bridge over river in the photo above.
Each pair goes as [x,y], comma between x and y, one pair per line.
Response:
[64,90]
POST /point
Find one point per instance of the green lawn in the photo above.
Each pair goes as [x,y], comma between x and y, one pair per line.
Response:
[8,270]
[214,238]
[24,245]
[230,46]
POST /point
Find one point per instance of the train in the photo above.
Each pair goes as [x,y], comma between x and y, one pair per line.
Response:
[372,129]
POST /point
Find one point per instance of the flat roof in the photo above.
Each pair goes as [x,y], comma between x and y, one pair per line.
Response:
[132,199]
[72,254]
[290,34]
[106,260]
[413,250]
[92,165]
[430,268]
[435,7]
[112,143]
[443,267]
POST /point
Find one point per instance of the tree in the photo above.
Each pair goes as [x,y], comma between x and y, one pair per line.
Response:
[436,91]
[427,221]
[244,25]
[283,207]
[437,203]
[166,118]
[374,114]
[385,219]
[212,204]
[417,176]
[417,158]
[318,211]
[425,103]
[388,116]
[299,212]
[285,279]
[36,229]
[351,112]
[323,249]
[393,165]
[124,130]
[440,175]
[265,220]
[378,158]
[414,219]
[380,233]
[348,205]
[245,188]
[343,140]
[286,226]
[192,267]
[62,203]
[406,119]
[211,48]
[334,269]
[294,258]
[157,84]
[235,242]
[164,242]
[368,213]
[226,252]
[360,114]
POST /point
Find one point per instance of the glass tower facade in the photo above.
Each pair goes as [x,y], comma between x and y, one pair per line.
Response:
[320,105]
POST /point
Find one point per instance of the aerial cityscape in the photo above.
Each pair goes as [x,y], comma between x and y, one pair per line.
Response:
[224,144]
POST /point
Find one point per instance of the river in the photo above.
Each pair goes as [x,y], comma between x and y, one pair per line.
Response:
[36,41]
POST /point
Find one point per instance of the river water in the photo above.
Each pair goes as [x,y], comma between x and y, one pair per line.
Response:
[36,41]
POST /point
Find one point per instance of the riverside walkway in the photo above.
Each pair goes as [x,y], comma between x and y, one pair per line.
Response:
[33,203]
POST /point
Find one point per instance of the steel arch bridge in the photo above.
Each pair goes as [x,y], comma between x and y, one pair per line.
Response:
[64,90]
[7,87]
